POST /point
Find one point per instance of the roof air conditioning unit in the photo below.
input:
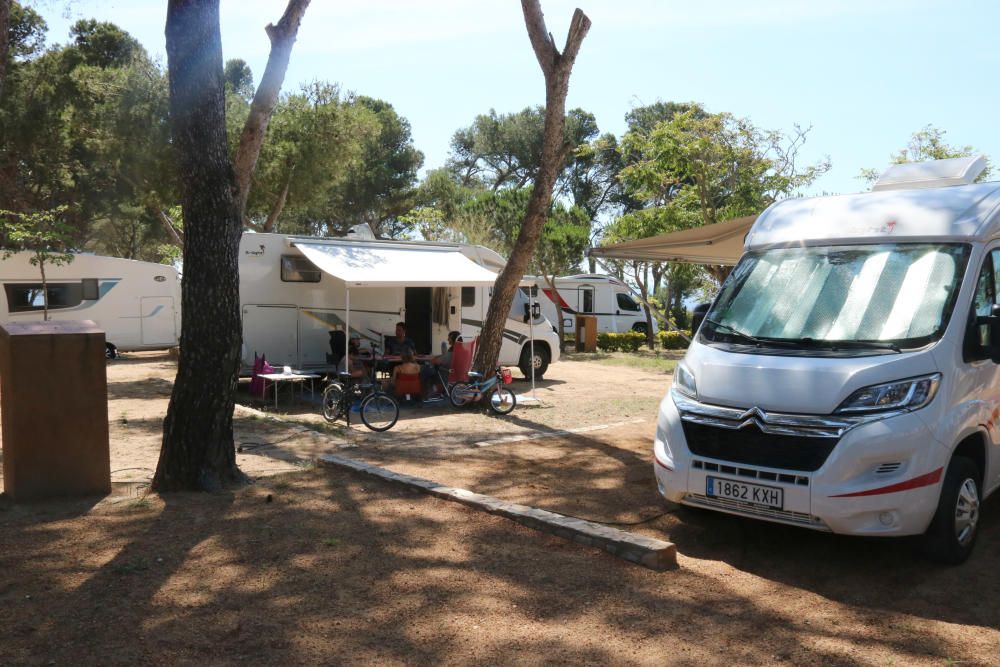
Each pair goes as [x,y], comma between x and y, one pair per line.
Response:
[933,174]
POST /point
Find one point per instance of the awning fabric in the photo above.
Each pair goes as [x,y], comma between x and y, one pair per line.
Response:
[721,243]
[371,265]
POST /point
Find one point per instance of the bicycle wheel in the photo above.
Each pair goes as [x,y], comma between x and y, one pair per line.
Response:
[502,400]
[333,401]
[379,411]
[462,394]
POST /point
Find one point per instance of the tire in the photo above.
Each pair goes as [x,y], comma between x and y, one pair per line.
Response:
[954,529]
[333,405]
[639,327]
[502,400]
[542,358]
[461,394]
[379,411]
[110,351]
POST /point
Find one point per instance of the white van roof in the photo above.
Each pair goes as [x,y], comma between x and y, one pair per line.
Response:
[949,213]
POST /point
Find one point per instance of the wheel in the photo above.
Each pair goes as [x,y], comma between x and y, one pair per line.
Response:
[333,401]
[502,400]
[953,531]
[541,361]
[110,351]
[462,394]
[639,327]
[379,411]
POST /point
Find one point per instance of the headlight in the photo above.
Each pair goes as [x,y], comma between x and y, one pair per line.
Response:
[910,394]
[684,381]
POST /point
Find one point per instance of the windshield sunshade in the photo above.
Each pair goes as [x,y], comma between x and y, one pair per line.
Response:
[900,293]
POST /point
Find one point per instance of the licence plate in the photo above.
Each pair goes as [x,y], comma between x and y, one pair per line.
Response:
[755,494]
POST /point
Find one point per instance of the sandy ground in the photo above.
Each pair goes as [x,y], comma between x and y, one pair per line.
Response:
[341,568]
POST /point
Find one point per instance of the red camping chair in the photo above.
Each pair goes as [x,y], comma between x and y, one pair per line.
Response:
[461,360]
[408,386]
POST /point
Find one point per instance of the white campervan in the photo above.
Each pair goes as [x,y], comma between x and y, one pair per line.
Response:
[605,297]
[295,290]
[846,377]
[137,304]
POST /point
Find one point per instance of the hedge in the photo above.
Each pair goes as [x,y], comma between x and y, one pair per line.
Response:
[672,340]
[621,342]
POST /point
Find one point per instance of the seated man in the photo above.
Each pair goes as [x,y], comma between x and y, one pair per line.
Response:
[351,363]
[395,344]
[438,367]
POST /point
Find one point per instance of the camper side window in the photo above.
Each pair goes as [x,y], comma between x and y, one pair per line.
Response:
[90,289]
[295,269]
[588,300]
[626,302]
[26,297]
[468,297]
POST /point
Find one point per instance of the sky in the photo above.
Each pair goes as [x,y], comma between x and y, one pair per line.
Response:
[863,74]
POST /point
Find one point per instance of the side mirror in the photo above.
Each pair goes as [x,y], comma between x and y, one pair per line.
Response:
[532,311]
[988,329]
[697,315]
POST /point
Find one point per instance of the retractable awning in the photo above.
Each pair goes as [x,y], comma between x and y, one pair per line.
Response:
[721,243]
[371,265]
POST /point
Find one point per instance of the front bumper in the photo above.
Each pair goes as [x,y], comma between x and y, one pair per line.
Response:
[881,477]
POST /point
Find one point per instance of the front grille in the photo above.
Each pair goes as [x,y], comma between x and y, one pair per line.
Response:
[752,446]
[746,509]
[752,473]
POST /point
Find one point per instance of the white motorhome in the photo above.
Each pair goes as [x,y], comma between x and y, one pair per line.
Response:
[138,304]
[295,290]
[847,376]
[605,297]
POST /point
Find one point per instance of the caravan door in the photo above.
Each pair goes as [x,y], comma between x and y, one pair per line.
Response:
[473,299]
[272,331]
[157,320]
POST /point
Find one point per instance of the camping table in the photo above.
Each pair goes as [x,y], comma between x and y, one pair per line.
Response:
[293,377]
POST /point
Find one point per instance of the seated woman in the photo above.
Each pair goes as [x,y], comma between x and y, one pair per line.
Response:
[406,375]
[437,368]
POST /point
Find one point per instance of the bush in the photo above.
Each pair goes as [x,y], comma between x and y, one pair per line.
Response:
[672,340]
[620,342]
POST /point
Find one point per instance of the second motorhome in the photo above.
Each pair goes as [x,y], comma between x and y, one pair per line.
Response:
[604,297]
[137,304]
[847,376]
[295,290]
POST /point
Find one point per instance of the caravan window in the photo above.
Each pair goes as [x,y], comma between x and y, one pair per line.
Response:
[468,297]
[626,302]
[587,296]
[25,297]
[531,290]
[90,290]
[296,269]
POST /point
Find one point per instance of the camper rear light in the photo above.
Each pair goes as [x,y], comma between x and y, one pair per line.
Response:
[909,394]
[684,381]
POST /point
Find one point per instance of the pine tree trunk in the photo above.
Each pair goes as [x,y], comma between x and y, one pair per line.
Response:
[198,450]
[4,42]
[556,67]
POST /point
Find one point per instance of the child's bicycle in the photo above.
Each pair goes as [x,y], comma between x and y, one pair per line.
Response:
[379,411]
[500,399]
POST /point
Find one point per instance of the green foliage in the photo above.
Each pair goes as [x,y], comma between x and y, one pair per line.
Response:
[44,235]
[926,144]
[672,340]
[239,78]
[630,341]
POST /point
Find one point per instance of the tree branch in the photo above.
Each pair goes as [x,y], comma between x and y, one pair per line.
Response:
[282,38]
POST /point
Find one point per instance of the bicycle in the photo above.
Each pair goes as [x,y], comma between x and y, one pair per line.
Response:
[501,399]
[379,411]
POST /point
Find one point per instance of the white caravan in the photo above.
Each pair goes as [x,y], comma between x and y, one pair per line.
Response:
[295,290]
[137,304]
[847,376]
[608,299]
